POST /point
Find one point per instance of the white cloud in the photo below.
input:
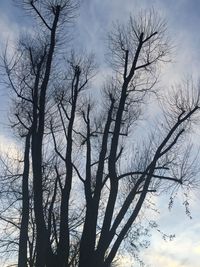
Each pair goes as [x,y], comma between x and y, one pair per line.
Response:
[183,252]
[9,148]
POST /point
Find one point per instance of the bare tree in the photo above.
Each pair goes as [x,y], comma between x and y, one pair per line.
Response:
[87,185]
[31,88]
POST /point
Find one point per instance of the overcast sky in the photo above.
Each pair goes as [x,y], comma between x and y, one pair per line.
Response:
[96,17]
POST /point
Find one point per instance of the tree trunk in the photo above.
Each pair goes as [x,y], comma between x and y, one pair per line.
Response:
[22,256]
[41,235]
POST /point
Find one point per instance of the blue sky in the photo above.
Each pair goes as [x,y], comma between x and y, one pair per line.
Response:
[95,20]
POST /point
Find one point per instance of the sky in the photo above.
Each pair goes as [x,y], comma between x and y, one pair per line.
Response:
[94,21]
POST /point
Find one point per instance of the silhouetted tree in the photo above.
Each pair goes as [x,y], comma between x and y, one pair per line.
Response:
[88,185]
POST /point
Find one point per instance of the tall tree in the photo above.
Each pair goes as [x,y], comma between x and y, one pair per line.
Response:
[88,185]
[31,87]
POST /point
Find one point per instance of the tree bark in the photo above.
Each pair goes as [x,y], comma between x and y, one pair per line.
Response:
[22,256]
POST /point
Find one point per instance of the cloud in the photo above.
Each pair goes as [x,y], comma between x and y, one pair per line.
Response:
[9,148]
[183,251]
[197,249]
[9,30]
[162,260]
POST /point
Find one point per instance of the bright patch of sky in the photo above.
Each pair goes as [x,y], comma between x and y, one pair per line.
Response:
[95,20]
